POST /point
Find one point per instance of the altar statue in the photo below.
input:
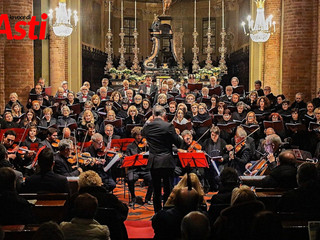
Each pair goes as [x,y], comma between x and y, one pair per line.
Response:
[166,6]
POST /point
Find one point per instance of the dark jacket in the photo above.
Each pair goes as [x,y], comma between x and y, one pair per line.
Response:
[235,222]
[46,182]
[63,167]
[160,136]
[282,176]
[14,209]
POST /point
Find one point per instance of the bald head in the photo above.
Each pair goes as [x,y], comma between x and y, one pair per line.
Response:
[269,131]
[287,157]
[195,225]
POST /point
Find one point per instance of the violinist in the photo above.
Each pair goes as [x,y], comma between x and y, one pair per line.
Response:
[134,173]
[52,136]
[95,149]
[272,148]
[189,145]
[240,154]
[9,138]
[31,139]
[62,166]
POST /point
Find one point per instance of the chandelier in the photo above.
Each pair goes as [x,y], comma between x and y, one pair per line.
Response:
[63,27]
[262,28]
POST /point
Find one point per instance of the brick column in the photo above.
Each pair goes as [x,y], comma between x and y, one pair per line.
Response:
[2,42]
[297,48]
[272,66]
[18,54]
[57,56]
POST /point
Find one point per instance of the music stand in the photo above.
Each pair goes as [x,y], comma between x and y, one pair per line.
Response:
[136,160]
[121,144]
[197,160]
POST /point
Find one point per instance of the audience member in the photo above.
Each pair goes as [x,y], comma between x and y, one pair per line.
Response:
[46,180]
[195,226]
[48,231]
[14,209]
[83,226]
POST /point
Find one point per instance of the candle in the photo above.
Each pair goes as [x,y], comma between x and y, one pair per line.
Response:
[122,14]
[135,14]
[244,28]
[209,27]
[110,15]
[195,15]
[222,13]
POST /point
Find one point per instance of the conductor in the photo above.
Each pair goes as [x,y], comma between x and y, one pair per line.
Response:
[160,136]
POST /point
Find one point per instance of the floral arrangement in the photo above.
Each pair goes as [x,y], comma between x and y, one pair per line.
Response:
[113,70]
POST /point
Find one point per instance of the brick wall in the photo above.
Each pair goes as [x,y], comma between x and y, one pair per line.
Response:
[18,56]
[297,47]
[2,42]
[271,71]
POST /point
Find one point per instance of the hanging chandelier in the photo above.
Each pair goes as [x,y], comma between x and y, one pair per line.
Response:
[262,28]
[63,27]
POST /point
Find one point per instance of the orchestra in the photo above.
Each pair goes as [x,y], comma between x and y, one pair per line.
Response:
[229,128]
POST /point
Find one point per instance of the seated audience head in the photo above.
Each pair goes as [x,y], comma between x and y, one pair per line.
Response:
[45,160]
[287,157]
[7,179]
[48,231]
[195,226]
[85,206]
[307,172]
[229,178]
[187,200]
[89,178]
[242,194]
[259,229]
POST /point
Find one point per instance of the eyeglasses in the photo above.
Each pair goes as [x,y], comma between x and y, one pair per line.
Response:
[99,143]
[10,140]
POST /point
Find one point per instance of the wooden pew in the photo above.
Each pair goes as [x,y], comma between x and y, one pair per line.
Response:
[19,232]
[269,196]
[49,206]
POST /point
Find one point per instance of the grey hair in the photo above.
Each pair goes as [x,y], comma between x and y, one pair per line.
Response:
[96,136]
[65,144]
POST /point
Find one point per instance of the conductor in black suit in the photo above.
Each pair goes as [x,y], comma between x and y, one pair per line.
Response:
[160,136]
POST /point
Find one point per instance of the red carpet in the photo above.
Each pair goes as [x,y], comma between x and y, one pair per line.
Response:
[139,229]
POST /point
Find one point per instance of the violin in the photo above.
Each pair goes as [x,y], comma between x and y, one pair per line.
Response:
[194,147]
[103,151]
[143,143]
[55,144]
[24,149]
[13,149]
[239,146]
[84,159]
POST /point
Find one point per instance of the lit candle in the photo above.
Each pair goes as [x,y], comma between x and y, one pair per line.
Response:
[195,15]
[110,15]
[244,28]
[135,14]
[222,13]
[122,14]
[274,26]
[209,15]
